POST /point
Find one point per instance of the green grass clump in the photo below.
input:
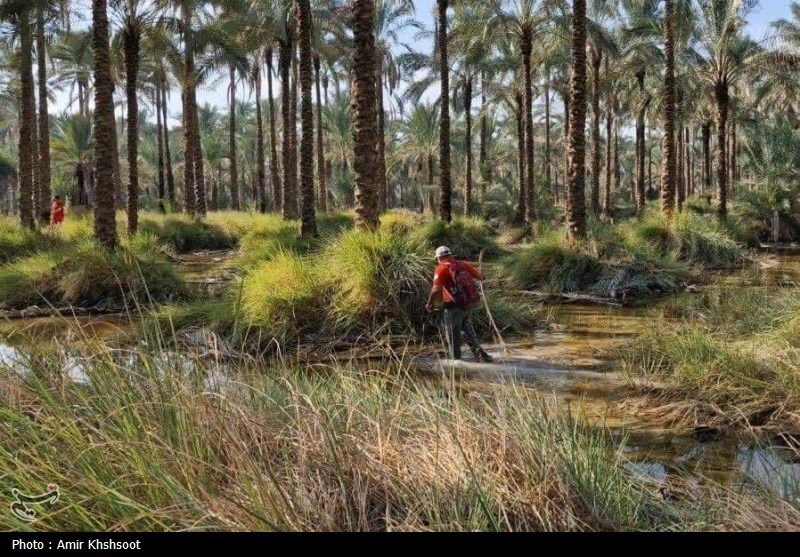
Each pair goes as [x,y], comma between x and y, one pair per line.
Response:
[186,234]
[697,240]
[136,273]
[283,296]
[735,357]
[28,281]
[270,236]
[374,278]
[398,221]
[85,275]
[466,237]
[553,263]
[16,242]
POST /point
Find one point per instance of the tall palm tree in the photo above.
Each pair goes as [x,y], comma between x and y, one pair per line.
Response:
[20,13]
[445,201]
[525,20]
[576,209]
[136,19]
[274,170]
[641,54]
[364,102]
[105,227]
[307,202]
[668,172]
[46,10]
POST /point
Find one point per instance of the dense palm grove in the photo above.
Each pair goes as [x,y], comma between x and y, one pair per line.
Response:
[521,108]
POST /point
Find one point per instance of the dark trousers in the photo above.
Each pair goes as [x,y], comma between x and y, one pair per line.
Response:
[456,321]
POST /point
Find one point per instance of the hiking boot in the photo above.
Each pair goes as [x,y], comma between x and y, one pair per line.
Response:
[482,356]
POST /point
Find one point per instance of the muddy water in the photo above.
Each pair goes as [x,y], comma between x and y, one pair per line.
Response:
[569,360]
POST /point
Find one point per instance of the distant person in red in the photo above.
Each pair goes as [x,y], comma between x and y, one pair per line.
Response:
[57,211]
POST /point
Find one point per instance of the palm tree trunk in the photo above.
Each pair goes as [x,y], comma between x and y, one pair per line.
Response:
[547,170]
[668,172]
[576,215]
[307,208]
[188,156]
[293,129]
[706,132]
[27,117]
[383,184]
[288,199]
[44,120]
[608,209]
[167,154]
[364,101]
[734,148]
[105,227]
[597,58]
[688,167]
[617,169]
[445,203]
[37,199]
[680,197]
[131,46]
[322,194]
[484,154]
[468,208]
[261,169]
[530,188]
[232,157]
[641,198]
[159,146]
[722,99]
[519,217]
[566,102]
[119,197]
[273,141]
[197,151]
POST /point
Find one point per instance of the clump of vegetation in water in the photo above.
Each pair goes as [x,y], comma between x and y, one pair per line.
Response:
[732,361]
[283,296]
[375,278]
[85,275]
[697,240]
[610,262]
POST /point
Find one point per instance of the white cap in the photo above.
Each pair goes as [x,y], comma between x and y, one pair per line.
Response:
[443,251]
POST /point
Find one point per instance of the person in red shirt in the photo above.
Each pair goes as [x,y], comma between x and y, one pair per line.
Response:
[57,211]
[458,318]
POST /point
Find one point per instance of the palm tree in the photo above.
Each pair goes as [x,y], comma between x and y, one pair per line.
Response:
[668,173]
[526,19]
[364,101]
[576,213]
[105,227]
[45,11]
[136,19]
[602,46]
[275,176]
[641,54]
[307,206]
[19,13]
[72,150]
[445,202]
